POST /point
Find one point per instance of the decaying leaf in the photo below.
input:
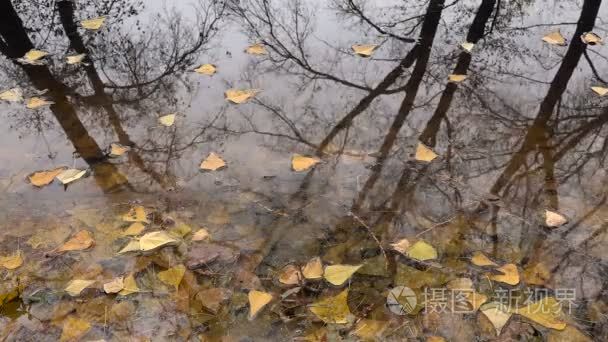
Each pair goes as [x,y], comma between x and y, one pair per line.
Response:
[339,274]
[114,286]
[480,259]
[569,334]
[536,274]
[554,219]
[167,120]
[455,78]
[510,274]
[213,162]
[76,286]
[303,163]
[37,102]
[73,329]
[206,69]
[591,38]
[401,246]
[460,284]
[424,153]
[155,240]
[117,149]
[132,246]
[422,251]
[333,309]
[256,49]
[33,57]
[93,23]
[546,312]
[468,47]
[257,301]
[136,214]
[213,298]
[370,329]
[173,276]
[476,299]
[239,96]
[134,229]
[555,38]
[76,59]
[201,235]
[601,91]
[12,95]
[364,50]
[290,275]
[70,175]
[79,242]
[11,262]
[313,269]
[130,286]
[497,315]
[42,178]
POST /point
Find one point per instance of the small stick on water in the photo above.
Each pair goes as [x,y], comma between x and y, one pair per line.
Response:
[371,233]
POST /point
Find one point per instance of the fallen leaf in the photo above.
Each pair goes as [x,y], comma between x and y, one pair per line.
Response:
[167,120]
[456,78]
[173,276]
[181,230]
[114,286]
[591,38]
[460,284]
[313,269]
[496,315]
[290,275]
[555,38]
[480,259]
[303,163]
[422,251]
[256,49]
[468,47]
[11,262]
[257,301]
[42,178]
[132,246]
[601,91]
[213,162]
[33,57]
[203,254]
[77,285]
[136,214]
[79,242]
[435,339]
[37,102]
[130,286]
[93,23]
[12,95]
[339,274]
[424,153]
[401,246]
[118,149]
[546,312]
[155,240]
[476,299]
[213,298]
[206,69]
[134,229]
[510,275]
[569,334]
[536,274]
[76,59]
[73,329]
[240,96]
[364,50]
[201,235]
[370,329]
[333,309]
[554,220]
[70,175]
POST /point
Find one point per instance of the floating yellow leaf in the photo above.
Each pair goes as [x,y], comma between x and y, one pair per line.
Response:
[333,309]
[303,163]
[364,50]
[601,91]
[339,274]
[118,149]
[468,47]
[456,78]
[136,214]
[370,329]
[206,69]
[130,286]
[34,55]
[256,49]
[546,312]
[37,102]
[290,275]
[73,329]
[132,246]
[11,262]
[554,220]
[201,235]
[240,96]
[114,286]
[422,251]
[173,276]
[555,38]
[77,285]
[213,162]
[167,120]
[257,301]
[93,23]
[80,241]
[313,269]
[154,240]
[42,178]
[496,315]
[76,59]
[591,38]
[401,246]
[476,299]
[424,153]
[480,259]
[134,229]
[510,275]
[13,95]
[70,175]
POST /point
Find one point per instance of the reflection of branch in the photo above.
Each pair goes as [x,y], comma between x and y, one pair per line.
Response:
[356,9]
[597,75]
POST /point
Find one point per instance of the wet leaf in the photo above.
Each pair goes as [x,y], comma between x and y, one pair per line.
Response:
[555,38]
[455,78]
[114,286]
[536,274]
[240,96]
[510,275]
[339,274]
[364,50]
[546,312]
[333,309]
[257,301]
[181,230]
[424,153]
[42,178]
[591,38]
[74,329]
[167,120]
[496,315]
[201,235]
[155,240]
[435,339]
[256,49]
[76,286]
[303,163]
[422,251]
[130,286]
[132,246]
[70,175]
[601,91]
[569,334]
[476,299]
[76,59]
[206,69]
[12,95]
[173,276]
[93,23]
[313,269]
[468,47]
[290,275]
[11,262]
[136,214]
[33,57]
[480,259]
[134,229]
[79,242]
[37,102]
[460,284]
[370,329]
[213,298]
[554,219]
[401,246]
[118,149]
[213,162]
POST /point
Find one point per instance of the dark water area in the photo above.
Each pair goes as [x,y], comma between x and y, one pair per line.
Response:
[453,185]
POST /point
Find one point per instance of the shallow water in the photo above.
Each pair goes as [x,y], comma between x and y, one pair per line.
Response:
[523,134]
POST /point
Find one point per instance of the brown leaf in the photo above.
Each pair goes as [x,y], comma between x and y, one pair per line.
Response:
[313,269]
[290,275]
[42,178]
[80,241]
[213,298]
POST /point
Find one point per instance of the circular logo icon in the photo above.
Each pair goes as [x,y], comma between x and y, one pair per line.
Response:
[401,300]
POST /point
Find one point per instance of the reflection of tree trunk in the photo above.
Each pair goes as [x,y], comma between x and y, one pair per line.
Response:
[476,32]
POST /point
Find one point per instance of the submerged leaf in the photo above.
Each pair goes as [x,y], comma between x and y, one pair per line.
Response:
[554,219]
[364,50]
[132,246]
[555,38]
[206,69]
[401,246]
[130,286]
[173,276]
[290,275]
[496,315]
[37,102]
[42,178]
[213,162]
[11,262]
[476,299]
[455,78]
[80,241]
[136,214]
[93,23]
[12,95]
[155,240]
[257,301]
[114,286]
[370,330]
[480,259]
[256,49]
[77,285]
[201,235]
[510,275]
[303,163]
[70,175]
[73,329]
[134,229]
[313,269]
[601,91]
[167,120]
[333,310]
[536,274]
[546,312]
[76,59]
[591,38]
[240,96]
[422,251]
[339,274]
[424,153]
